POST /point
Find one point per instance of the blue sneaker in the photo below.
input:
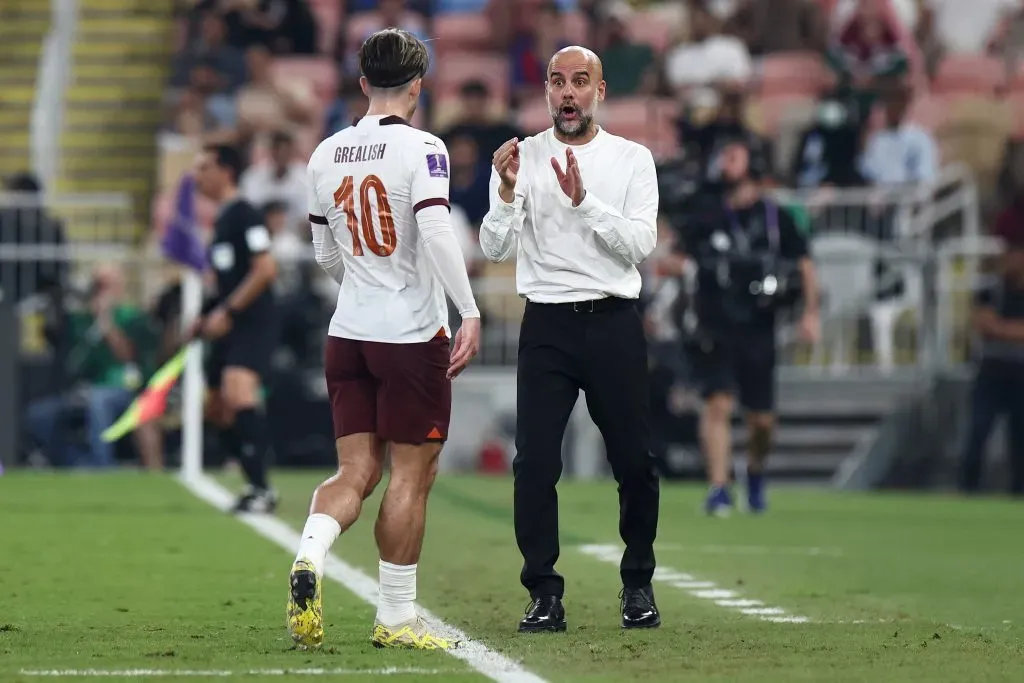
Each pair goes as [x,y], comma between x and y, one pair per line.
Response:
[718,502]
[756,502]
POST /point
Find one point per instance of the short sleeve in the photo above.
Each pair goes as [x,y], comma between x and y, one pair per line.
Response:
[316,213]
[255,236]
[430,174]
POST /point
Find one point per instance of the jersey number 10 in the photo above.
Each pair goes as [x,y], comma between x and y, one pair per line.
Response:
[344,199]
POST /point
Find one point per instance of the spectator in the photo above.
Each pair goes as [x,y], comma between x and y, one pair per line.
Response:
[867,49]
[475,122]
[286,246]
[629,67]
[265,105]
[827,152]
[968,26]
[769,26]
[713,59]
[212,51]
[111,351]
[470,175]
[349,104]
[284,26]
[30,226]
[390,13]
[282,180]
[902,152]
[539,35]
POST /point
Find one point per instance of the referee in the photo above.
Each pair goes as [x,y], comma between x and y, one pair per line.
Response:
[577,205]
[241,321]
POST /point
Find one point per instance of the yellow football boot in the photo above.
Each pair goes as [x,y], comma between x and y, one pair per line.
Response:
[411,635]
[305,608]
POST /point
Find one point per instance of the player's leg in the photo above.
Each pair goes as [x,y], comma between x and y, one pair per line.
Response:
[755,376]
[617,388]
[548,380]
[713,372]
[337,502]
[240,394]
[413,411]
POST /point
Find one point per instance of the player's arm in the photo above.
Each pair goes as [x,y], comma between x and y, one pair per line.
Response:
[499,230]
[429,195]
[987,321]
[794,246]
[632,232]
[326,249]
[262,269]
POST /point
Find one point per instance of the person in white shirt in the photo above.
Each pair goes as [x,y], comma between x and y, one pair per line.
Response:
[378,205]
[282,180]
[578,206]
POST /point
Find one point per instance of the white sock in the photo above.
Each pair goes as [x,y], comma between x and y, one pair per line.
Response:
[318,535]
[397,593]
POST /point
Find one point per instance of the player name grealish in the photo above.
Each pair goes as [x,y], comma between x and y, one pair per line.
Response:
[357,153]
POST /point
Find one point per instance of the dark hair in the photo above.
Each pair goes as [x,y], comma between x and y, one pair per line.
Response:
[227,157]
[475,88]
[273,206]
[393,57]
[281,137]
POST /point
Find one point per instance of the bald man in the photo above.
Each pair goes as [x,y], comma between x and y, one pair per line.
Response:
[577,206]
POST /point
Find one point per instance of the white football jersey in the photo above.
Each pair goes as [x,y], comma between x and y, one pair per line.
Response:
[366,183]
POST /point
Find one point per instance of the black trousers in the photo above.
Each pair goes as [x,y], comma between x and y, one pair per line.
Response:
[603,352]
[998,390]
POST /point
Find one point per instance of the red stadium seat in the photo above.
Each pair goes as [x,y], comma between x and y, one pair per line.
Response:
[650,28]
[793,73]
[320,72]
[930,111]
[455,68]
[969,74]
[454,32]
[575,28]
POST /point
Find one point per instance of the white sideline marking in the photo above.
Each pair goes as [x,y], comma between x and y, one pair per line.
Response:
[225,673]
[705,590]
[491,664]
[751,550]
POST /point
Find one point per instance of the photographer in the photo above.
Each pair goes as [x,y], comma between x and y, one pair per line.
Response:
[751,261]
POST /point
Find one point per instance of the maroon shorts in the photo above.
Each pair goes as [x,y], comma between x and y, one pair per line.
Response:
[400,392]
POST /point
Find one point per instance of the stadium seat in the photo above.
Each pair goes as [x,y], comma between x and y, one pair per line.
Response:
[319,72]
[454,32]
[651,27]
[793,73]
[574,26]
[455,68]
[969,74]
[930,111]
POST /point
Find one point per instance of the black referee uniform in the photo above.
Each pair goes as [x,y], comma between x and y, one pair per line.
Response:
[582,330]
[239,235]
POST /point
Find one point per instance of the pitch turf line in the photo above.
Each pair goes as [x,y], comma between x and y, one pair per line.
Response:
[491,664]
[227,673]
[705,590]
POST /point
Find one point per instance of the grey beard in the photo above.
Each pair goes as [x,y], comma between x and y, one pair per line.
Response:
[582,125]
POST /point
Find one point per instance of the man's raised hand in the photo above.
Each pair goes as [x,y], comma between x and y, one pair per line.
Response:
[506,163]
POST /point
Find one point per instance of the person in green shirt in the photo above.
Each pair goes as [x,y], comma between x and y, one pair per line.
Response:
[629,67]
[111,346]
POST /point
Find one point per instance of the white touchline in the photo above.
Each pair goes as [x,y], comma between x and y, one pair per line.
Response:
[705,590]
[491,664]
[226,673]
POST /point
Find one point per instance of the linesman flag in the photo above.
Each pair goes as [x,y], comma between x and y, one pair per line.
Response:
[151,403]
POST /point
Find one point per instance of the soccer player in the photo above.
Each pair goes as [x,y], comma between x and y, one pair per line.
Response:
[240,320]
[378,205]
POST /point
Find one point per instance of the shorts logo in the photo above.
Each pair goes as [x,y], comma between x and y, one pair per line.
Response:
[437,164]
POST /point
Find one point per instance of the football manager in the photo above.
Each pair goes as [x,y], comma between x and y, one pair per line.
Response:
[578,205]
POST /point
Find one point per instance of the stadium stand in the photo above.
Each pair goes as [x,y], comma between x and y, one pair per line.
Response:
[23,24]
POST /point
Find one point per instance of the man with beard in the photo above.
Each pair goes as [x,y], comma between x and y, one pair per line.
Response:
[578,207]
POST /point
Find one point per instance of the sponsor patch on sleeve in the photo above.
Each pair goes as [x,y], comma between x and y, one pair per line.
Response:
[437,164]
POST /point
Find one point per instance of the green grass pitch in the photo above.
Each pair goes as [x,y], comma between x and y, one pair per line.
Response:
[129,574]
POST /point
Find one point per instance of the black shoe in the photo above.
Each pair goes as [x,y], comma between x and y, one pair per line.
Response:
[638,608]
[544,614]
[256,500]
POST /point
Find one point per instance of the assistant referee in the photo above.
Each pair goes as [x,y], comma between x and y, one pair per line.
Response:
[578,205]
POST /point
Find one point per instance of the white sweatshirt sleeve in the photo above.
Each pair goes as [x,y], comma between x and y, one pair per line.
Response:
[631,234]
[326,249]
[499,230]
[441,247]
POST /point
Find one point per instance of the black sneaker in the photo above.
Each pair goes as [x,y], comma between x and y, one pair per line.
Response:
[544,614]
[256,500]
[638,608]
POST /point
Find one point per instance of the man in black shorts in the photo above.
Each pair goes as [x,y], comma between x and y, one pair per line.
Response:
[750,257]
[241,322]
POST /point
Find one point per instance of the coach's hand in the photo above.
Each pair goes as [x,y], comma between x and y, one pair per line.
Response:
[217,324]
[810,327]
[506,163]
[570,181]
[467,345]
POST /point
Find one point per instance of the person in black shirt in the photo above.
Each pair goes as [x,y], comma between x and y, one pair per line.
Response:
[751,259]
[999,383]
[240,321]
